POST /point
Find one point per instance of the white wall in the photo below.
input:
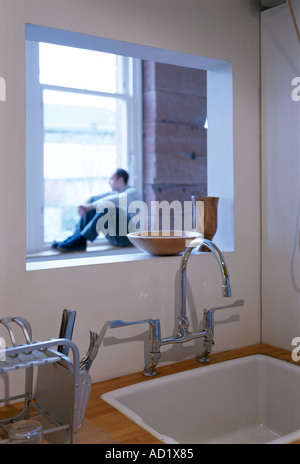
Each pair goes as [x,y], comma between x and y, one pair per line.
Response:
[280,177]
[222,30]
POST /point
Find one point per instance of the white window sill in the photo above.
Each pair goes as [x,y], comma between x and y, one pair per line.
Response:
[101,253]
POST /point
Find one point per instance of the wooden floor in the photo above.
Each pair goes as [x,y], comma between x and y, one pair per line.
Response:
[105,425]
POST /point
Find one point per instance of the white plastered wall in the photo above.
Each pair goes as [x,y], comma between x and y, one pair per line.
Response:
[225,30]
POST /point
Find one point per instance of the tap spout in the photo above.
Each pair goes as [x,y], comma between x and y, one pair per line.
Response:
[226,288]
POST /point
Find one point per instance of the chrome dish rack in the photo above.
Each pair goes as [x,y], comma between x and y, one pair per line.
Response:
[62,384]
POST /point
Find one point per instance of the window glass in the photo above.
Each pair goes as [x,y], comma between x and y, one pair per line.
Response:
[84,124]
[84,121]
[78,68]
[82,147]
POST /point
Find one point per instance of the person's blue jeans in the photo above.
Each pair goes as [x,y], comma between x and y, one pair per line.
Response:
[87,227]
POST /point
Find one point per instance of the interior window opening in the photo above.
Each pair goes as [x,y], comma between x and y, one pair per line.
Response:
[92,109]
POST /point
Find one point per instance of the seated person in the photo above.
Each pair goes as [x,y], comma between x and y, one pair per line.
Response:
[106,213]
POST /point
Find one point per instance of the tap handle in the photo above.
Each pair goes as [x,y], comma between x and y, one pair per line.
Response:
[154,330]
[119,323]
[208,315]
[236,304]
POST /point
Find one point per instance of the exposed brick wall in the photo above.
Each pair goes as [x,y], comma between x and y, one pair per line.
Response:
[175,140]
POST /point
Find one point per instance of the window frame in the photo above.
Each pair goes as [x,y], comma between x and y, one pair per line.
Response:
[131,94]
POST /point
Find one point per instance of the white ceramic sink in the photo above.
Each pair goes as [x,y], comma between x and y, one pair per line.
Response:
[251,400]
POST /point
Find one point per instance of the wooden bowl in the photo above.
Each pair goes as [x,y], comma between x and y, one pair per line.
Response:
[162,243]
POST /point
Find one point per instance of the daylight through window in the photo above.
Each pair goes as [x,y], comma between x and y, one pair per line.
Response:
[78,114]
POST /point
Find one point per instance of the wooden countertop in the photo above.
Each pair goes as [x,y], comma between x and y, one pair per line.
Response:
[117,428]
[103,424]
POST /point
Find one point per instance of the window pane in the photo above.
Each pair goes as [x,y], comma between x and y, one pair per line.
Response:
[83,145]
[78,68]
